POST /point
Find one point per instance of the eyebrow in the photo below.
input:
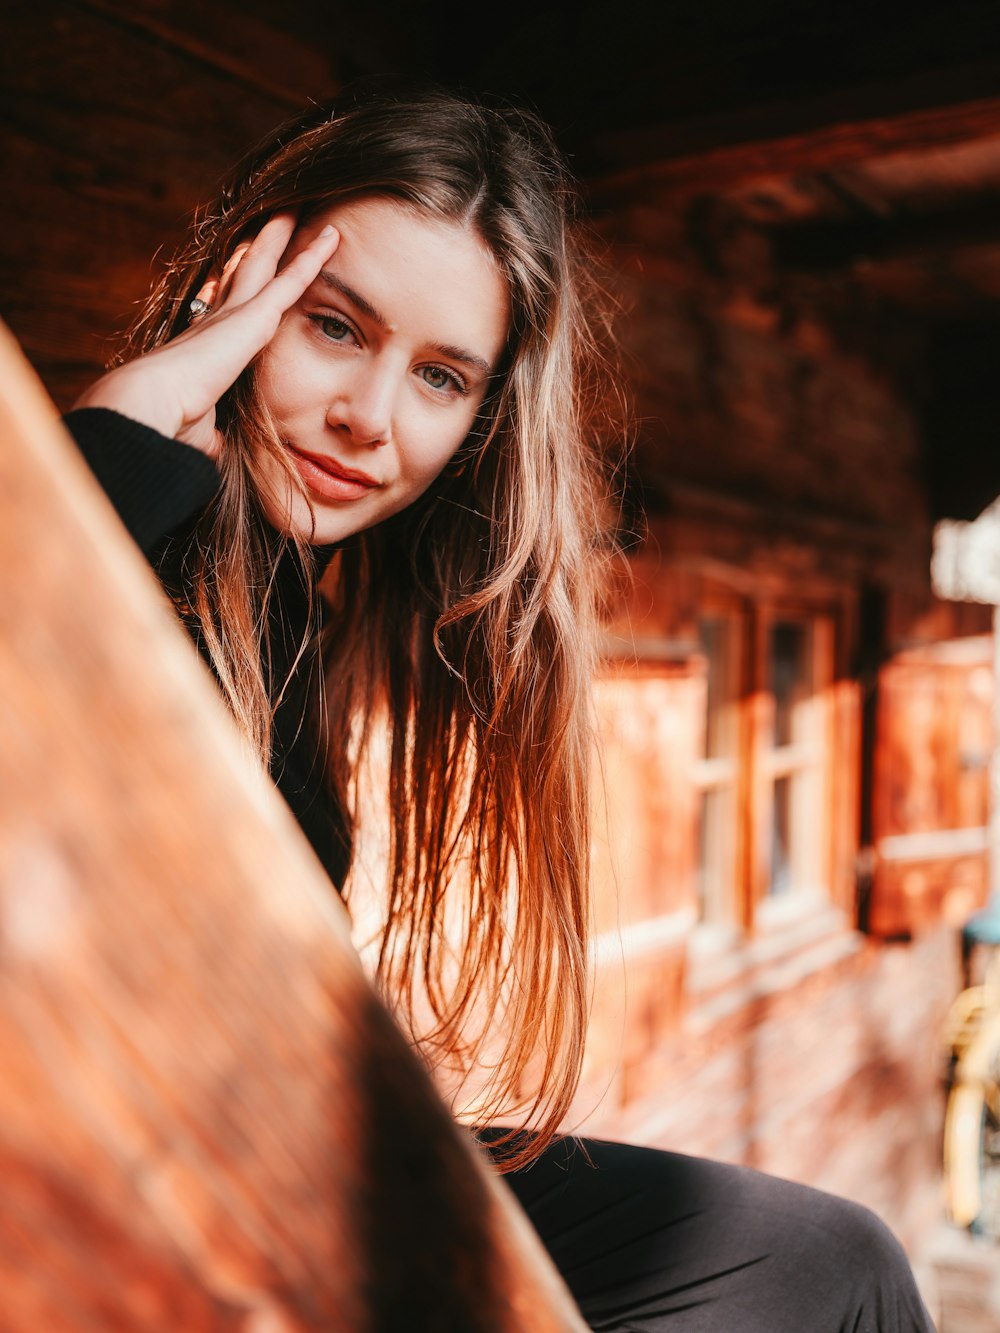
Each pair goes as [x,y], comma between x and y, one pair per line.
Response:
[448,350]
[365,306]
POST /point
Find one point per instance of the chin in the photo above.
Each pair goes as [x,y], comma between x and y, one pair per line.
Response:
[296,517]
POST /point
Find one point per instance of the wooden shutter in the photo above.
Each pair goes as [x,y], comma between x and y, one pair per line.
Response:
[651,717]
[934,737]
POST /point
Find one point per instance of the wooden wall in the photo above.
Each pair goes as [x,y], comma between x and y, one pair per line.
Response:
[116,120]
[781,451]
[797,399]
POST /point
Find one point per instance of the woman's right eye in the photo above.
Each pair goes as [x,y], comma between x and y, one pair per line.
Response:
[334,329]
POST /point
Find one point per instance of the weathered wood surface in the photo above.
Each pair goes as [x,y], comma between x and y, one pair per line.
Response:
[934,737]
[207,1120]
[116,120]
[768,141]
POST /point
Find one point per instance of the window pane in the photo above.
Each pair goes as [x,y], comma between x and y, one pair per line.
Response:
[790,675]
[781,851]
[720,639]
[718,645]
[717,831]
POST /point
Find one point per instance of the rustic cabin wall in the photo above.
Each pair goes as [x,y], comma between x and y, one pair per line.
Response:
[822,1065]
[779,442]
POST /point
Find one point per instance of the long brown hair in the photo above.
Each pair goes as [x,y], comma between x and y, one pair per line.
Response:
[465,624]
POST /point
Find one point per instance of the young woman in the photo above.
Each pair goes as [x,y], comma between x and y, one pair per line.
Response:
[374,364]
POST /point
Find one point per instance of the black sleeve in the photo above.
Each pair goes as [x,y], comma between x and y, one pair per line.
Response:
[155,483]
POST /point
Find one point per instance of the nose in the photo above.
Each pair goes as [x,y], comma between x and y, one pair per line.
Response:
[362,408]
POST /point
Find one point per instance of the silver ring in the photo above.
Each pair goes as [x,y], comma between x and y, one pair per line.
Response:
[198,307]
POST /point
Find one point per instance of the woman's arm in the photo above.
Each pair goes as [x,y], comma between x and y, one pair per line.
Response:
[154,483]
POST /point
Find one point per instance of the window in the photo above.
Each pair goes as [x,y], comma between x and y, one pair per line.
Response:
[792,755]
[763,777]
[729,759]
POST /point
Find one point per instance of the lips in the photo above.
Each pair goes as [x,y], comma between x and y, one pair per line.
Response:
[334,468]
[330,480]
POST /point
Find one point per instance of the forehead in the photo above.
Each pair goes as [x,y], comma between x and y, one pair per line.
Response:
[420,270]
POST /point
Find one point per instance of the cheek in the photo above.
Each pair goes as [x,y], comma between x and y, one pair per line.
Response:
[270,379]
[291,367]
[433,451]
[283,382]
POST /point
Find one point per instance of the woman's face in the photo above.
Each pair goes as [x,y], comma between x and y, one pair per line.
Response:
[374,378]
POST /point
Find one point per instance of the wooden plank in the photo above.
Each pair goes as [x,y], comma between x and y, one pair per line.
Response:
[824,246]
[207,1120]
[764,142]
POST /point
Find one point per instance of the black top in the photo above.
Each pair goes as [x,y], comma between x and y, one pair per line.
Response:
[160,488]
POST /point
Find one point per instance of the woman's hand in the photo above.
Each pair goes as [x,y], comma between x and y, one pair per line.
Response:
[175,387]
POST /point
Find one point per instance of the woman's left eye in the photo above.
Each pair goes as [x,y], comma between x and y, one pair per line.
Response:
[439,378]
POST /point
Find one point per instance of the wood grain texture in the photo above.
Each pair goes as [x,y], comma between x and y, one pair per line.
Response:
[760,143]
[931,799]
[115,123]
[207,1120]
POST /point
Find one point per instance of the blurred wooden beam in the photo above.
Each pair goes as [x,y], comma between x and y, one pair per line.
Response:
[260,54]
[825,246]
[785,139]
[207,1120]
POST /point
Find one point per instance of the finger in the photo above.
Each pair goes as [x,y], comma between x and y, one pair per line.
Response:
[232,262]
[255,262]
[288,285]
[213,290]
[204,300]
[235,333]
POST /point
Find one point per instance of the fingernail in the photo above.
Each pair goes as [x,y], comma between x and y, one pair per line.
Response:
[327,231]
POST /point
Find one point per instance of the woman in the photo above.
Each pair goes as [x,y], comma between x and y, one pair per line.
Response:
[375,363]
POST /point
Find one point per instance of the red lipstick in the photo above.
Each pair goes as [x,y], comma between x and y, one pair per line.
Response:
[329,479]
